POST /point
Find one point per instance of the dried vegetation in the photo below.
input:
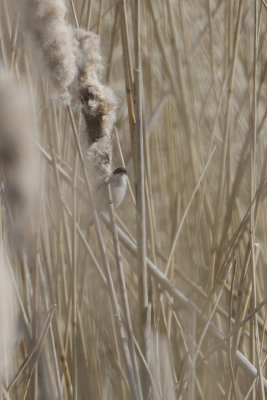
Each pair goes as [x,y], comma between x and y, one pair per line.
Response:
[168,300]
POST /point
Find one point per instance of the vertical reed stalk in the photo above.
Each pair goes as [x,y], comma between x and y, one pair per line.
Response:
[140,178]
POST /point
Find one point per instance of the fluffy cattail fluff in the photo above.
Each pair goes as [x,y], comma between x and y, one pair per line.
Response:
[46,22]
[8,316]
[18,158]
[98,105]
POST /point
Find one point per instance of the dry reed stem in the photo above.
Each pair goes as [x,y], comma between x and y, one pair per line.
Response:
[140,180]
[126,309]
[8,316]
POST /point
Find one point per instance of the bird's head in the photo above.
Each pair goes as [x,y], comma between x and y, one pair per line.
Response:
[120,171]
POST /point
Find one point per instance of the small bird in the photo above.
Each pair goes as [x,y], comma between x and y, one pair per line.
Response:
[118,184]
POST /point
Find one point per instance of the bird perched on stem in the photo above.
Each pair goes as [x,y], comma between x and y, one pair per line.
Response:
[118,185]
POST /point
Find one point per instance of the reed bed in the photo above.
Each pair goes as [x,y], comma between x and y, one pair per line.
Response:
[164,298]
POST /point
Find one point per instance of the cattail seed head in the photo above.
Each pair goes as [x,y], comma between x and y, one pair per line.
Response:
[45,21]
[98,105]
